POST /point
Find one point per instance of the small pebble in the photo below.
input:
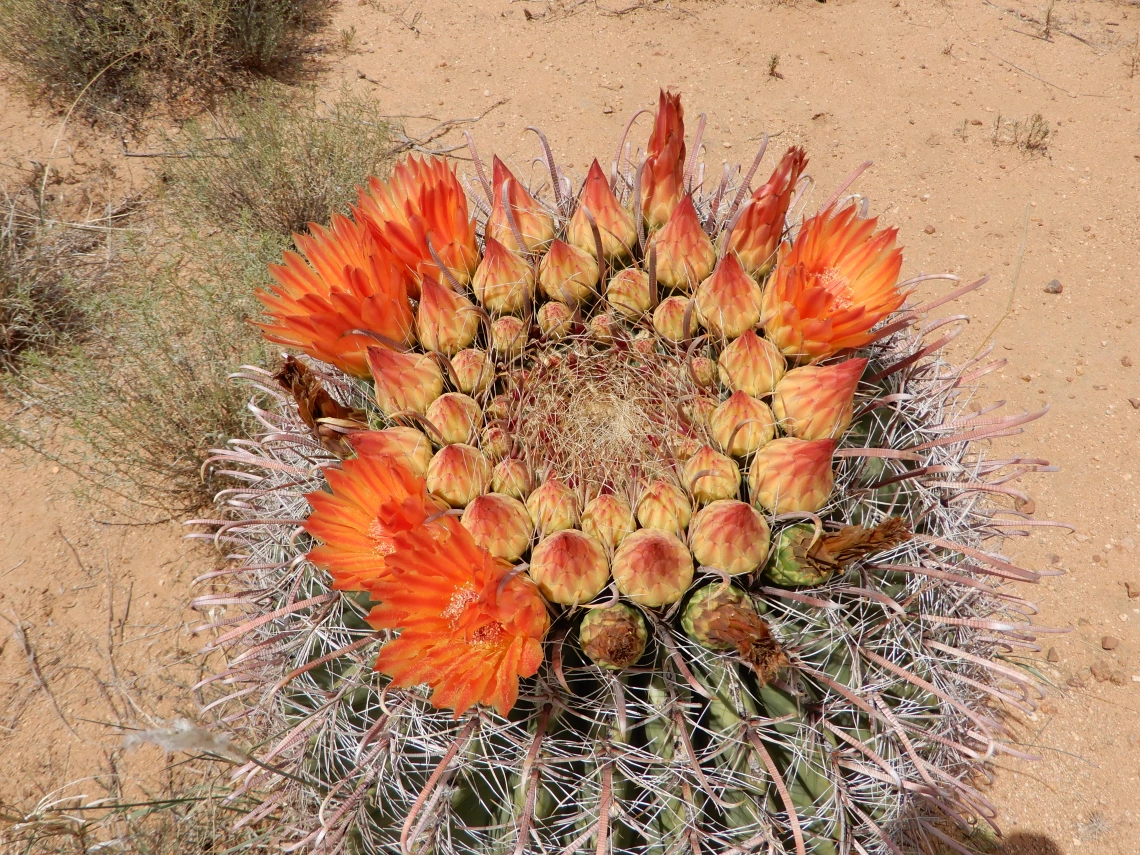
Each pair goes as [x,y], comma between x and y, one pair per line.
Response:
[1135,402]
[1133,590]
[1104,673]
[1054,287]
[1053,656]
[929,230]
[1075,682]
[1126,361]
[1109,643]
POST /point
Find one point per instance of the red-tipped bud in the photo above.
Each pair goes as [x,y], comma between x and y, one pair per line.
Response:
[509,336]
[684,447]
[569,567]
[602,328]
[628,292]
[728,302]
[817,401]
[644,343]
[457,474]
[503,280]
[498,408]
[568,274]
[534,224]
[613,637]
[664,171]
[553,507]
[760,224]
[653,568]
[723,618]
[495,443]
[752,365]
[741,424]
[407,444]
[404,381]
[710,475]
[474,371]
[699,410]
[685,255]
[499,524]
[615,224]
[512,477]
[792,475]
[729,535]
[702,370]
[608,518]
[664,506]
[456,416]
[555,320]
[445,321]
[670,316]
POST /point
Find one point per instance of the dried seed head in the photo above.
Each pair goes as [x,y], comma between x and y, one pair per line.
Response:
[457,474]
[456,416]
[751,364]
[474,371]
[652,568]
[792,475]
[405,443]
[404,381]
[512,477]
[445,321]
[664,506]
[817,401]
[503,281]
[669,318]
[613,637]
[722,618]
[728,302]
[729,535]
[553,507]
[555,320]
[741,424]
[628,292]
[499,524]
[508,336]
[569,567]
[568,274]
[608,518]
[710,475]
[803,556]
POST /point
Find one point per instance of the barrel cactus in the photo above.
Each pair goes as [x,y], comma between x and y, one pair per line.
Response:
[638,518]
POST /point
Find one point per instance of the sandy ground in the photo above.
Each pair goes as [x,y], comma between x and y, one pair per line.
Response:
[917,87]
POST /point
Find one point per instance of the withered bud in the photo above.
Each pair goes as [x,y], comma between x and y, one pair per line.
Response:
[613,637]
[721,617]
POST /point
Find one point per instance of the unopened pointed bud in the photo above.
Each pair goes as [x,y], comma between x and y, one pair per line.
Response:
[553,507]
[759,227]
[615,224]
[664,506]
[741,424]
[474,371]
[613,637]
[817,401]
[503,280]
[555,320]
[685,255]
[569,567]
[456,416]
[751,364]
[445,321]
[404,381]
[457,474]
[710,475]
[664,171]
[568,274]
[628,292]
[652,568]
[509,337]
[673,320]
[602,327]
[608,518]
[729,535]
[702,370]
[534,224]
[512,477]
[790,475]
[728,302]
[406,444]
[722,618]
[495,442]
[499,524]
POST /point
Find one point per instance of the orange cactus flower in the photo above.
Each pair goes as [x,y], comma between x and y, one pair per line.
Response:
[350,282]
[503,281]
[685,255]
[615,224]
[445,321]
[372,500]
[792,475]
[817,401]
[664,170]
[728,302]
[404,381]
[832,285]
[469,628]
[422,200]
[760,224]
[535,225]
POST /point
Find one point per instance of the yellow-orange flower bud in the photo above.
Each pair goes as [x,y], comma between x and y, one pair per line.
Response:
[404,381]
[553,507]
[664,506]
[602,327]
[495,443]
[703,370]
[653,568]
[628,292]
[569,567]
[503,280]
[405,443]
[499,407]
[456,416]
[669,319]
[499,524]
[457,474]
[608,518]
[555,320]
[710,475]
[699,410]
[644,343]
[615,224]
[759,226]
[512,477]
[664,171]
[792,475]
[817,401]
[534,224]
[751,364]
[568,274]
[742,424]
[445,321]
[684,447]
[728,302]
[729,535]
[474,371]
[685,255]
[509,336]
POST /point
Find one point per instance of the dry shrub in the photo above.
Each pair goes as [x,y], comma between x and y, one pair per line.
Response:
[1030,136]
[272,162]
[121,53]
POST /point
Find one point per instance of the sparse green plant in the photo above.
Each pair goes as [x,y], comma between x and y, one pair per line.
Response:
[1047,29]
[119,54]
[774,67]
[1030,136]
[1134,58]
[348,39]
